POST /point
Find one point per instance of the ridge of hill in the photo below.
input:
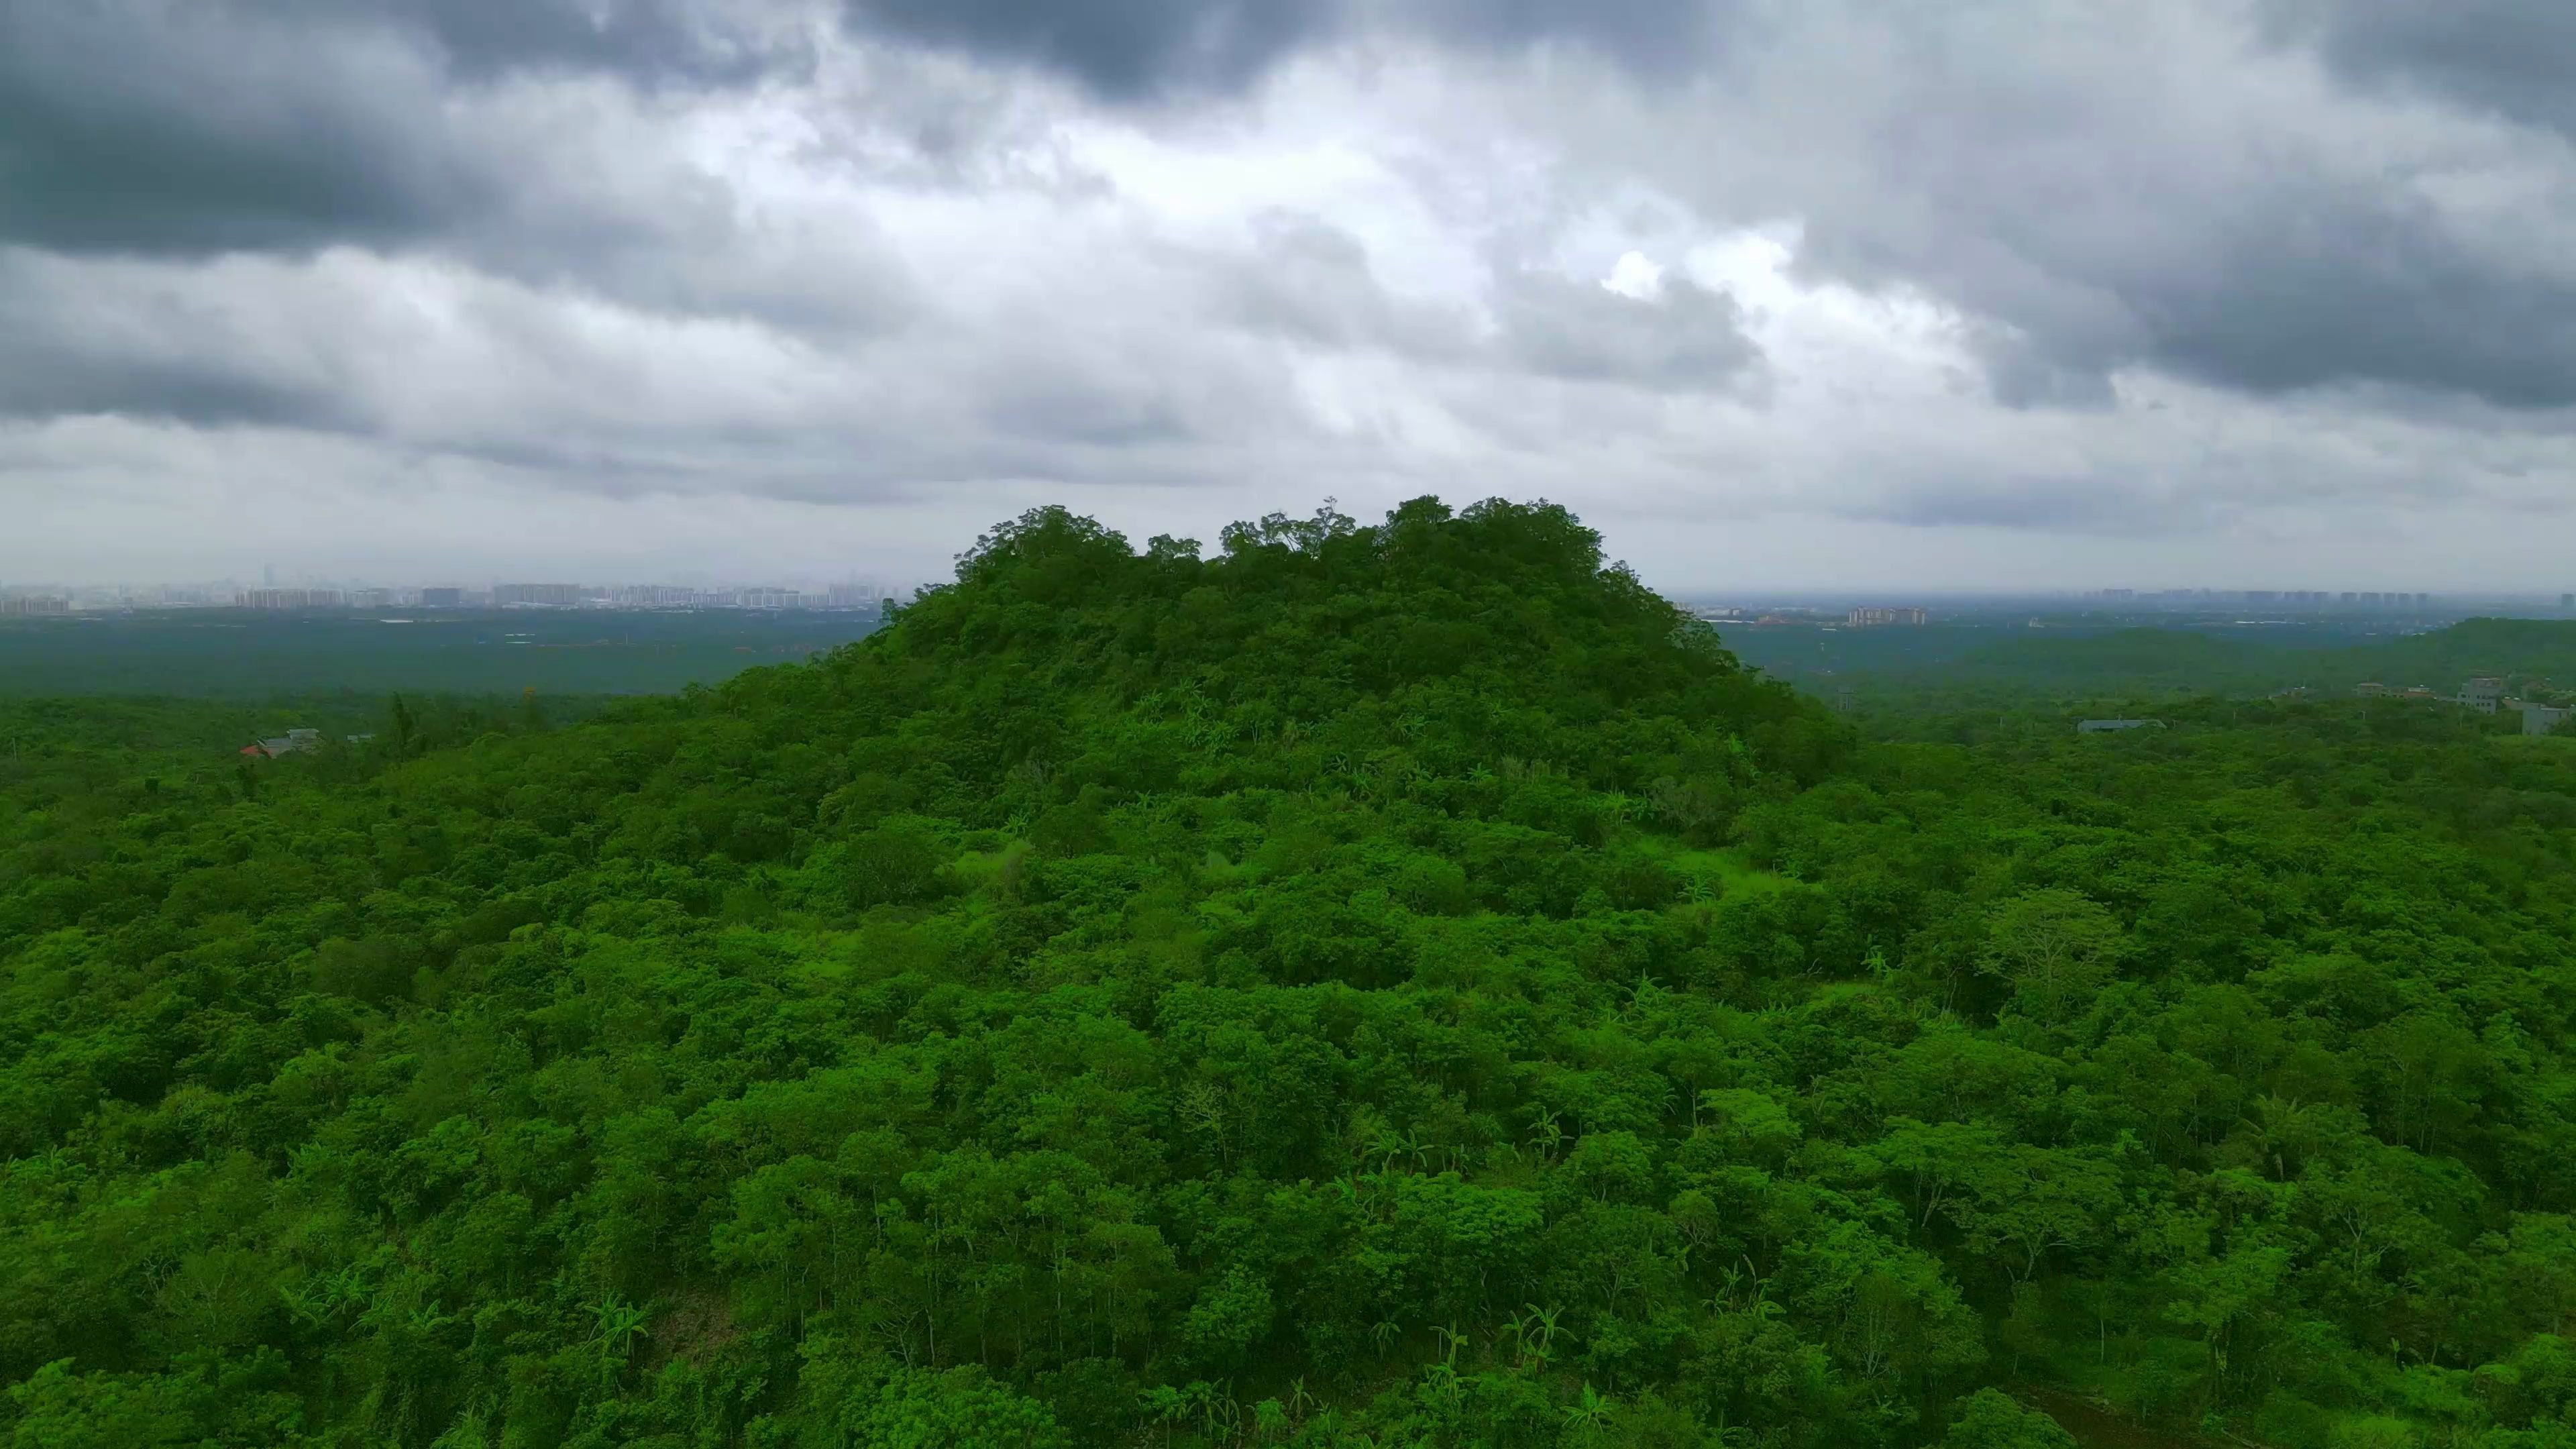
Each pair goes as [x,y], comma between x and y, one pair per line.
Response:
[2521,649]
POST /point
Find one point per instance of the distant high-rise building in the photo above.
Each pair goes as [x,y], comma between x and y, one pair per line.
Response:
[268,575]
[554,596]
[2567,601]
[442,598]
[1871,617]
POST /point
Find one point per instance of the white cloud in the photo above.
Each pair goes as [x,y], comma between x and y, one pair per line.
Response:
[1635,277]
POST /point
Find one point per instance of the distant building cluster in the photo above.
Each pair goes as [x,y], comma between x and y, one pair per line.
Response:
[290,743]
[552,596]
[532,596]
[2484,694]
[1871,617]
[33,605]
[2289,598]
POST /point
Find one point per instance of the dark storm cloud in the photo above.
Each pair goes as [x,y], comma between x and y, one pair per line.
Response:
[2305,285]
[2327,287]
[2514,58]
[158,127]
[650,41]
[38,383]
[1137,50]
[2178,199]
[67,354]
[1121,49]
[141,127]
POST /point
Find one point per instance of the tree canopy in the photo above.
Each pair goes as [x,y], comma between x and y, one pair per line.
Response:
[1371,984]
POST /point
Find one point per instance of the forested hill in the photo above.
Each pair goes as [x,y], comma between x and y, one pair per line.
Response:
[2521,649]
[1310,645]
[1390,985]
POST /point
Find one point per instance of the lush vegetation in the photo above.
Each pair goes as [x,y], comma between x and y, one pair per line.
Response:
[1377,985]
[237,654]
[1950,665]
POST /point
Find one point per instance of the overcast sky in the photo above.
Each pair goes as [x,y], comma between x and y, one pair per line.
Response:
[1857,293]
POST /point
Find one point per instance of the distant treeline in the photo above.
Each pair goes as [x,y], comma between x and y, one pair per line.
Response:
[2075,663]
[240,654]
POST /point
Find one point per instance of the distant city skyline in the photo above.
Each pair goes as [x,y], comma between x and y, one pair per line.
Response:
[326,588]
[554,538]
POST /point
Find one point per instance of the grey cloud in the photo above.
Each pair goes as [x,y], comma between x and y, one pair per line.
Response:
[2513,58]
[2166,192]
[2302,284]
[41,381]
[1077,407]
[2323,286]
[2066,503]
[1661,38]
[142,128]
[1124,50]
[1310,282]
[392,355]
[1687,338]
[137,352]
[698,42]
[1143,50]
[154,127]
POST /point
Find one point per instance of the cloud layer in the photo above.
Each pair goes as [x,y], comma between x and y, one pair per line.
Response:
[1993,286]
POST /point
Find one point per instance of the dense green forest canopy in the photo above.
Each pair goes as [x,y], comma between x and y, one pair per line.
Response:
[250,654]
[1947,664]
[1376,985]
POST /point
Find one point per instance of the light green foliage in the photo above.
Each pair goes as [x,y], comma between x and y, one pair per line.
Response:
[1392,985]
[1991,1419]
[2057,947]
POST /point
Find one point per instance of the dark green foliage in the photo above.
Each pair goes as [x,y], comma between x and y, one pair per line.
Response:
[2000,662]
[1991,1420]
[1388,985]
[234,654]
